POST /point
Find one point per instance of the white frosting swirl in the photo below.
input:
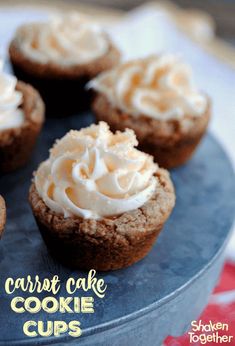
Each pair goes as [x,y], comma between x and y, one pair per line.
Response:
[66,40]
[10,115]
[93,173]
[160,87]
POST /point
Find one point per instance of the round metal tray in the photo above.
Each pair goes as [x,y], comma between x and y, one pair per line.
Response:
[157,297]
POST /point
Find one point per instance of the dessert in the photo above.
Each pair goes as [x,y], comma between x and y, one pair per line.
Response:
[59,56]
[99,202]
[21,119]
[157,98]
[2,215]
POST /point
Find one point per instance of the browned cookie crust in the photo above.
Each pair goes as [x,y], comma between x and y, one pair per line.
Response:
[2,215]
[16,144]
[171,142]
[53,70]
[61,87]
[108,243]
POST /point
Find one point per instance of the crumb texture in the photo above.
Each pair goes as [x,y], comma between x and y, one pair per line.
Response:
[107,243]
[55,71]
[171,142]
[2,215]
[16,144]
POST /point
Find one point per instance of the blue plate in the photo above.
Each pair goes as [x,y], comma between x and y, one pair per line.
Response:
[144,303]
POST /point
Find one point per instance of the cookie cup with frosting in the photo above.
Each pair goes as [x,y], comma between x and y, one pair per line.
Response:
[21,119]
[157,98]
[2,215]
[99,202]
[59,56]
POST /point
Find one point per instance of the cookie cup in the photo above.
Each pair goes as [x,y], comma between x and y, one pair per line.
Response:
[171,142]
[111,242]
[2,215]
[61,87]
[16,144]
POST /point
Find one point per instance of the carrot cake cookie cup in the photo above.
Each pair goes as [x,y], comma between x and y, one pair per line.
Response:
[98,201]
[21,119]
[59,56]
[2,215]
[157,98]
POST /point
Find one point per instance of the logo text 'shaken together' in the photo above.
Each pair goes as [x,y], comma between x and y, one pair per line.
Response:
[209,333]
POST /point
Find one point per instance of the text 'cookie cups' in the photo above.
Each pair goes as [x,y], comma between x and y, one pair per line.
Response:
[99,202]
[156,98]
[2,215]
[59,57]
[21,119]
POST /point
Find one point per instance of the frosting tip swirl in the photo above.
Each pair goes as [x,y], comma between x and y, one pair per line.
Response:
[160,87]
[67,39]
[93,173]
[11,116]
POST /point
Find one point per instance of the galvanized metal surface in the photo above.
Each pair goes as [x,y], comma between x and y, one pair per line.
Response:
[156,297]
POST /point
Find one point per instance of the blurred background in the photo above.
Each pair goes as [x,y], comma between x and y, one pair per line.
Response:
[213,62]
[222,11]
